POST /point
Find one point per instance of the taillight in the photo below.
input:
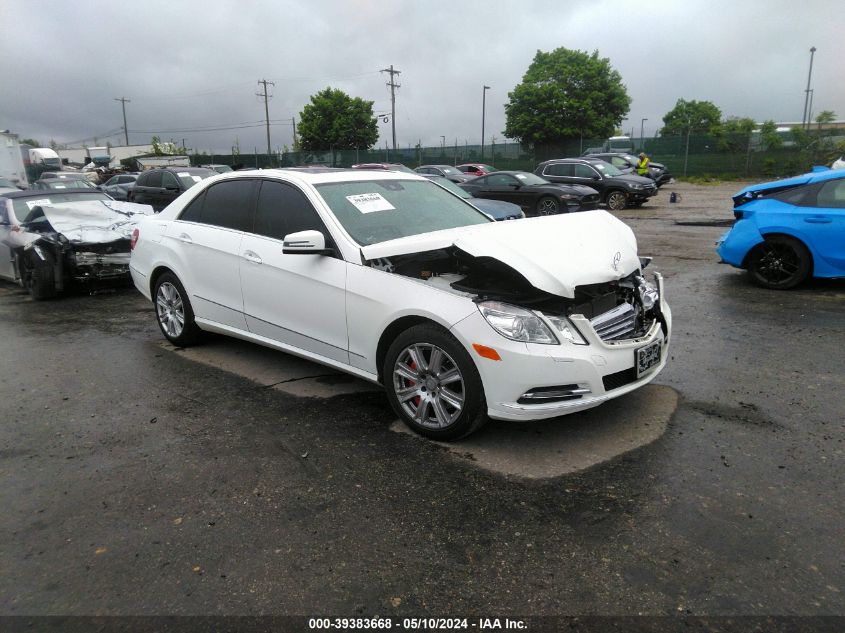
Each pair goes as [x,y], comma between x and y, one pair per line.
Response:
[134,239]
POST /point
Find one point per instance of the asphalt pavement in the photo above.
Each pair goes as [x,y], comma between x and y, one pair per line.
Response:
[139,479]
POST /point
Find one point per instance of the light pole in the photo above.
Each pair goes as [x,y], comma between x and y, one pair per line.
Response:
[443,143]
[483,108]
[805,123]
[642,128]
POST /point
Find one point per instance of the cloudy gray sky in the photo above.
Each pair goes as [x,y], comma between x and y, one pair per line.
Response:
[188,65]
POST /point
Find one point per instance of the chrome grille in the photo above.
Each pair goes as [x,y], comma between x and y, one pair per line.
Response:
[615,324]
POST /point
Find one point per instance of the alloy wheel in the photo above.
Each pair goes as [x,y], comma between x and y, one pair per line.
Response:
[170,309]
[428,385]
[616,201]
[778,263]
[547,206]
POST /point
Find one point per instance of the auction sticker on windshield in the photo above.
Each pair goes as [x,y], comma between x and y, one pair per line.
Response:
[370,202]
[37,203]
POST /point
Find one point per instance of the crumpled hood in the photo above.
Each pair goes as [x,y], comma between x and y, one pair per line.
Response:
[95,221]
[554,253]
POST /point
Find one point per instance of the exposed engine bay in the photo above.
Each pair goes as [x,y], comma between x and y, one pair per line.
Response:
[618,310]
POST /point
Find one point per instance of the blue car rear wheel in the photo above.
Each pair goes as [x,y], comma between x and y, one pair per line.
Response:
[779,263]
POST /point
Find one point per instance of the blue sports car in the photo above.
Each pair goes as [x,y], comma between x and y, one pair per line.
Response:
[788,230]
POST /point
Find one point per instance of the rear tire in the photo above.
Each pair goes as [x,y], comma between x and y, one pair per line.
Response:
[42,278]
[174,313]
[433,384]
[779,263]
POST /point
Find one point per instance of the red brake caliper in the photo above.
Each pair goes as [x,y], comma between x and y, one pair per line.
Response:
[416,399]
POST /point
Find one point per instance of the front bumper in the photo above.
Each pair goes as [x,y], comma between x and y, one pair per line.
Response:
[605,369]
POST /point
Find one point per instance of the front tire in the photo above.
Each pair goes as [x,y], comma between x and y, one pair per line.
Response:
[433,384]
[616,201]
[779,263]
[548,206]
[174,313]
[42,278]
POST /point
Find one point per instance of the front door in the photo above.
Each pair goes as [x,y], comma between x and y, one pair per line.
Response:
[299,300]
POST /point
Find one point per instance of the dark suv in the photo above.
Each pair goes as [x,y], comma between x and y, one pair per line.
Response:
[627,164]
[159,187]
[616,189]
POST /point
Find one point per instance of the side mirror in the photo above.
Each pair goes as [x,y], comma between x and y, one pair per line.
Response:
[306,243]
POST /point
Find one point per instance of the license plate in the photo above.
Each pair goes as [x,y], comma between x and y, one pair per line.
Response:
[647,357]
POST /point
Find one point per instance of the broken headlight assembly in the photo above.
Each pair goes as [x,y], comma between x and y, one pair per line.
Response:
[519,324]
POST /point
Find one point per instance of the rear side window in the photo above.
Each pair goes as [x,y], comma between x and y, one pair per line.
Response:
[228,205]
[832,195]
[284,209]
[558,169]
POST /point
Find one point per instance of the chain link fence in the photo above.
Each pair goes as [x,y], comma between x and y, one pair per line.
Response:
[722,156]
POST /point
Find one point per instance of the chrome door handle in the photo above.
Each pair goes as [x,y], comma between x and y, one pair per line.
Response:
[184,237]
[252,257]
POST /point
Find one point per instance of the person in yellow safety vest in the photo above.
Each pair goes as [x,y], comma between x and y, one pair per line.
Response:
[642,165]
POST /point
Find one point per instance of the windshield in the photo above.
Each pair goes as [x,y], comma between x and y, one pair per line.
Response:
[527,178]
[190,178]
[64,183]
[448,184]
[222,169]
[7,183]
[607,169]
[374,211]
[452,171]
[22,206]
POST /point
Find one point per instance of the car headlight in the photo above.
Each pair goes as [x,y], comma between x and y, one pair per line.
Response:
[649,295]
[637,187]
[566,330]
[568,196]
[516,324]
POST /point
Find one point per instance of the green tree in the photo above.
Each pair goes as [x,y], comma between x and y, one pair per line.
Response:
[769,135]
[734,133]
[693,117]
[30,141]
[824,117]
[335,120]
[566,94]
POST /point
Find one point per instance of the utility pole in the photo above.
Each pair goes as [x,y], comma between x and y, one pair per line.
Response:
[642,128]
[805,123]
[393,86]
[293,122]
[483,108]
[123,102]
[266,109]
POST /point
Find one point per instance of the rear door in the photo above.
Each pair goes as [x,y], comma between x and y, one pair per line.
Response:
[207,238]
[825,222]
[299,300]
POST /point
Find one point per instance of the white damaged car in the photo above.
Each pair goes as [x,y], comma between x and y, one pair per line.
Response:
[51,238]
[389,277]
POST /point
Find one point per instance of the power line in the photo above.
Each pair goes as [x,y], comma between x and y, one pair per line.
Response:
[393,87]
[266,109]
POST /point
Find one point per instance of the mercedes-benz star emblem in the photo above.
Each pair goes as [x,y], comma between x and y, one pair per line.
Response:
[616,259]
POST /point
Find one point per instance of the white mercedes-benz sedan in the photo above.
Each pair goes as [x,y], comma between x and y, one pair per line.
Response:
[389,277]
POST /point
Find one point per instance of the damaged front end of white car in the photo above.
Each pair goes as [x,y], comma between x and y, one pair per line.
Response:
[82,242]
[571,318]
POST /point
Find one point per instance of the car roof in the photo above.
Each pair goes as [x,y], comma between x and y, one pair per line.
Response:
[41,193]
[320,175]
[803,179]
[438,166]
[175,168]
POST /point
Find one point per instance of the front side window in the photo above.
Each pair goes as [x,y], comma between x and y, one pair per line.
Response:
[500,180]
[153,179]
[283,209]
[585,171]
[168,181]
[374,211]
